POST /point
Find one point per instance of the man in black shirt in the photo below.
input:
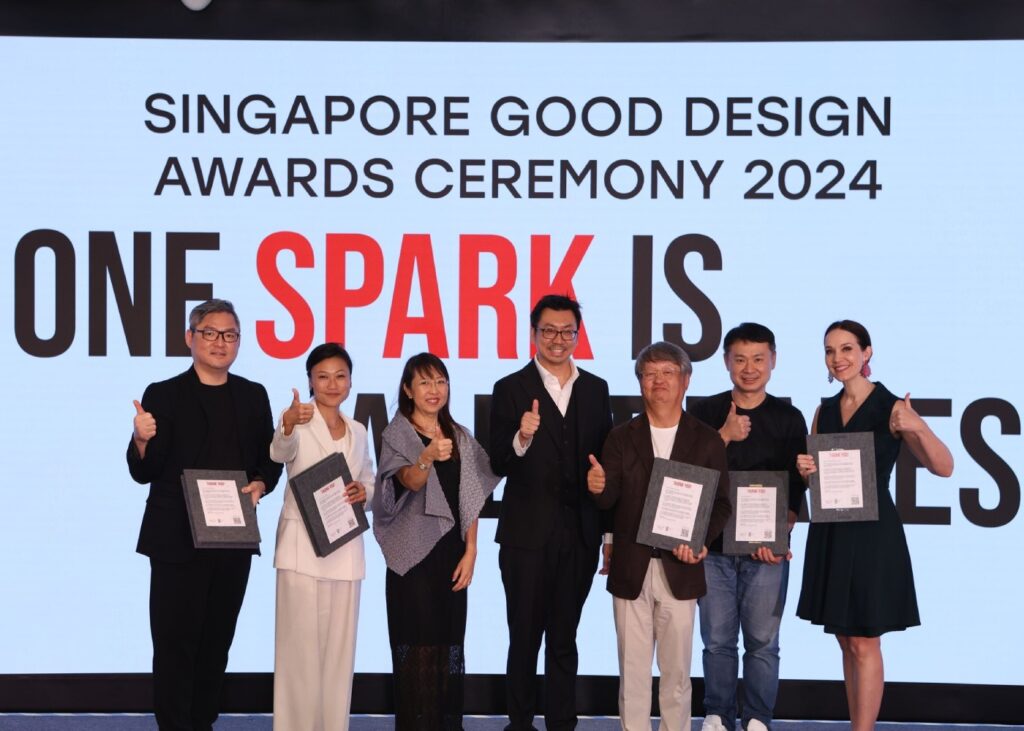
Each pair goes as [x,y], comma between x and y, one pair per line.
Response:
[204,418]
[761,432]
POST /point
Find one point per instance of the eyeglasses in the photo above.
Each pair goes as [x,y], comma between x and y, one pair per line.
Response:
[436,383]
[209,334]
[550,333]
[664,373]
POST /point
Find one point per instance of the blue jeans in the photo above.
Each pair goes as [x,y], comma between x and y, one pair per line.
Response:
[749,595]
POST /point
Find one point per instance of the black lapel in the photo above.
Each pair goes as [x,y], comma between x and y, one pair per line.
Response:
[533,387]
[242,416]
[682,447]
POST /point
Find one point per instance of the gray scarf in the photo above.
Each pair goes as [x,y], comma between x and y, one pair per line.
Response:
[409,527]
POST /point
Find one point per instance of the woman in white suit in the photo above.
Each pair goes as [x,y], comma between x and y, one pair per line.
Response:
[318,598]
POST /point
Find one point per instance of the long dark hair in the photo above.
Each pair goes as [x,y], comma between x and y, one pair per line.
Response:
[424,364]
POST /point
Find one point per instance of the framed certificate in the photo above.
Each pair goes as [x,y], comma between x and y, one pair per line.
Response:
[844,488]
[331,520]
[678,505]
[220,515]
[760,503]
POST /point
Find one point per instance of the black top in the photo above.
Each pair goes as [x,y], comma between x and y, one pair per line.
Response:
[220,450]
[778,433]
[449,475]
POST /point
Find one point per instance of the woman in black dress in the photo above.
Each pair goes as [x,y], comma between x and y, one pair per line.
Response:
[432,481]
[858,582]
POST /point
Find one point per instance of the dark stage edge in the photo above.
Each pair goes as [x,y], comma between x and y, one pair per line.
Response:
[596,696]
[263,722]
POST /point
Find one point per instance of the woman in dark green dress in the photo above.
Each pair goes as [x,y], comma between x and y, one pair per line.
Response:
[858,582]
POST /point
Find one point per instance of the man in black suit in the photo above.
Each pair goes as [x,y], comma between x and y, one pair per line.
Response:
[204,418]
[546,419]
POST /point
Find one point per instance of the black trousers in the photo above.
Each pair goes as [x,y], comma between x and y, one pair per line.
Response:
[545,589]
[193,608]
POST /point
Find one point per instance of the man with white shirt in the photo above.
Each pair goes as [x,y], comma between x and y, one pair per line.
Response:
[655,591]
[546,419]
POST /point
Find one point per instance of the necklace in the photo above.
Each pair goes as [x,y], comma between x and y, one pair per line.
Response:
[425,430]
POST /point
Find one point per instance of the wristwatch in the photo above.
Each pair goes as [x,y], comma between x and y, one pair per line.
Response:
[423,466]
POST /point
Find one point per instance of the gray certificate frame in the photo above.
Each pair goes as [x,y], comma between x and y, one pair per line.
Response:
[303,487]
[220,536]
[779,480]
[865,442]
[708,480]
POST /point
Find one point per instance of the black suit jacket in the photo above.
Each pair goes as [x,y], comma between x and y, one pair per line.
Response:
[181,430]
[628,459]
[532,495]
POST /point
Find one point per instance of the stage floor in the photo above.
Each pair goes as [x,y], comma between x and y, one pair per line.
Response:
[139,722]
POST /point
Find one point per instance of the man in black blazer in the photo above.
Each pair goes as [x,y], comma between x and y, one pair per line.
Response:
[203,418]
[545,421]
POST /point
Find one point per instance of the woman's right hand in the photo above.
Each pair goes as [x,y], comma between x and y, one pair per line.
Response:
[297,413]
[805,466]
[439,449]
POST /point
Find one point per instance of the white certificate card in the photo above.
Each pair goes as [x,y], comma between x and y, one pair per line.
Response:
[756,513]
[221,503]
[840,476]
[677,508]
[335,510]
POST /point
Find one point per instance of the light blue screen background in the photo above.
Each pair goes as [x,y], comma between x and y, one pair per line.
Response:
[932,267]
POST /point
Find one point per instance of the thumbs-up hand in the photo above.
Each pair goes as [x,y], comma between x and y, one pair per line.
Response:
[529,424]
[297,413]
[904,419]
[736,427]
[440,447]
[144,424]
[595,476]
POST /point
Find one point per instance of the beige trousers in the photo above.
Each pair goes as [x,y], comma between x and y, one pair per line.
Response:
[655,619]
[314,652]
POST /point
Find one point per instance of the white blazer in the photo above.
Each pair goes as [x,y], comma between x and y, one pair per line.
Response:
[308,444]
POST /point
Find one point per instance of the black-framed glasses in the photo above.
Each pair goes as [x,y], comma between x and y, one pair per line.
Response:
[550,333]
[210,334]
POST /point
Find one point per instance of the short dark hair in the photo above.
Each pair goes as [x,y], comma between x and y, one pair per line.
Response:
[324,352]
[211,307]
[660,352]
[424,364]
[854,328]
[559,302]
[750,332]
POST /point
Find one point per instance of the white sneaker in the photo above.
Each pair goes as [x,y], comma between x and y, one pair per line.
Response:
[755,725]
[713,723]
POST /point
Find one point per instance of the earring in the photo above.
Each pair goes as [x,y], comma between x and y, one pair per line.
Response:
[866,370]
[831,378]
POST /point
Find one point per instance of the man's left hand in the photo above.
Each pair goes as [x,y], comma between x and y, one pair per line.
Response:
[685,554]
[255,489]
[765,554]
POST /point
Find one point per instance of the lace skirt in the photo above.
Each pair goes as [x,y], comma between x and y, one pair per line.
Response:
[427,627]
